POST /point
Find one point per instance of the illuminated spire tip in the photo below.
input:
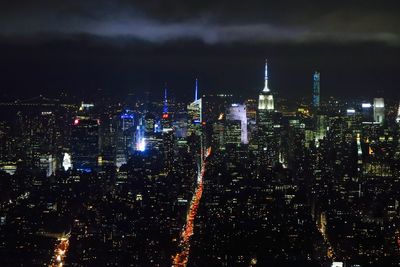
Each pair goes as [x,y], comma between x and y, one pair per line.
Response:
[266,88]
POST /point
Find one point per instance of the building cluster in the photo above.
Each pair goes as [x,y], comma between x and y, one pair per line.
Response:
[314,184]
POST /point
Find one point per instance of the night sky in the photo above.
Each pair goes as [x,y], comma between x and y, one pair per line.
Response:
[124,46]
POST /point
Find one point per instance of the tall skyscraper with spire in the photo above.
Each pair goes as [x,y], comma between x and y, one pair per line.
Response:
[316,91]
[267,138]
[195,111]
[266,99]
[165,108]
[166,120]
[195,120]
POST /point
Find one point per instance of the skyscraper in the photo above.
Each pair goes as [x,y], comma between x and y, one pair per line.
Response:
[166,121]
[125,137]
[195,113]
[237,112]
[379,110]
[232,133]
[267,140]
[168,139]
[266,99]
[85,143]
[316,91]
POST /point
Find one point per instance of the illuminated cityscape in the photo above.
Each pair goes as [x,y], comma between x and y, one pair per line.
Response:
[133,136]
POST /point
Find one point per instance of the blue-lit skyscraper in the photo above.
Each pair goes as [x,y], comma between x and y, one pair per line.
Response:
[165,108]
[125,137]
[316,90]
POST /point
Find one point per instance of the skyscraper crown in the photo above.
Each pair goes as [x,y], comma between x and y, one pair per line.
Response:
[266,88]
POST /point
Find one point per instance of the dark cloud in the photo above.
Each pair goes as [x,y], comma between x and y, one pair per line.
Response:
[120,46]
[208,21]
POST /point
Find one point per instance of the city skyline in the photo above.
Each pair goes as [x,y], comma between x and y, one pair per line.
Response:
[199,133]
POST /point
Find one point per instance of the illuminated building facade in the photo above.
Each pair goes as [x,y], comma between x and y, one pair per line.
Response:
[379,110]
[316,91]
[232,132]
[125,137]
[237,112]
[267,140]
[194,117]
[366,110]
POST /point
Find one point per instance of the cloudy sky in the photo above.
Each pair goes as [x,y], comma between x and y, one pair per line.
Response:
[136,45]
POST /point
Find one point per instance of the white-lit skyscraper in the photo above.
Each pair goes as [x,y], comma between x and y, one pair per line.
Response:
[267,139]
[266,99]
[237,112]
[379,110]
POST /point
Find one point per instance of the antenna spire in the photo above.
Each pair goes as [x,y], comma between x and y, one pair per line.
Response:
[165,110]
[196,89]
[266,88]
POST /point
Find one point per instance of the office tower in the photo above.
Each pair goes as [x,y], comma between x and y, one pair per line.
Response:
[85,143]
[125,136]
[321,128]
[237,112]
[379,110]
[168,135]
[149,124]
[233,132]
[140,141]
[218,135]
[168,139]
[195,114]
[251,114]
[48,163]
[267,141]
[316,91]
[296,140]
[366,110]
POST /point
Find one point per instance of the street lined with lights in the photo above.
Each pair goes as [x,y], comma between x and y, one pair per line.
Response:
[60,252]
[181,258]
